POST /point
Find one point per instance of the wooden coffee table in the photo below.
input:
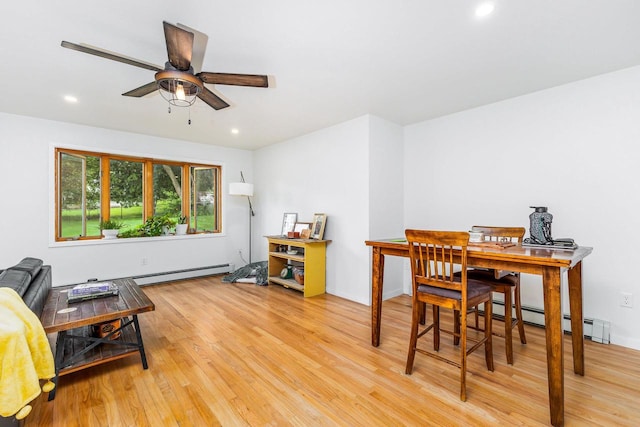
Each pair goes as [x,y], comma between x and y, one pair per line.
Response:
[76,348]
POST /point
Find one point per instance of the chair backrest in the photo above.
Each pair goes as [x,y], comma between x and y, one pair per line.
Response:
[501,234]
[434,257]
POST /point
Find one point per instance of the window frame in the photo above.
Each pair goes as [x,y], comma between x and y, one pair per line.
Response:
[147,185]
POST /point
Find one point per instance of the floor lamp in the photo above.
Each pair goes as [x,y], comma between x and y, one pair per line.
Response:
[244,189]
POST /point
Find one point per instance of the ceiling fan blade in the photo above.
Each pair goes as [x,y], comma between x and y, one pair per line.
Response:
[212,99]
[142,90]
[199,47]
[110,55]
[179,46]
[253,80]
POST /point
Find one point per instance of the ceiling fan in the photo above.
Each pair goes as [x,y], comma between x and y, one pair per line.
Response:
[177,81]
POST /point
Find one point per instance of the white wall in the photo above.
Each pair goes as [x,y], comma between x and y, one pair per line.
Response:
[26,197]
[572,148]
[325,171]
[386,194]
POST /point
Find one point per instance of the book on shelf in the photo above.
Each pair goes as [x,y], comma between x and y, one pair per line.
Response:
[91,290]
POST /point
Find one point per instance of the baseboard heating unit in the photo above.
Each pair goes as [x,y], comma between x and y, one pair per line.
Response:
[188,273]
[593,329]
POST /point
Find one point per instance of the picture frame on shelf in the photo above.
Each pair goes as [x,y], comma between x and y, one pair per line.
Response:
[318,224]
[301,226]
[288,222]
[305,234]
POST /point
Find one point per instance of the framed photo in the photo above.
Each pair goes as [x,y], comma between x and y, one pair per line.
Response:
[317,228]
[288,222]
[301,226]
[305,234]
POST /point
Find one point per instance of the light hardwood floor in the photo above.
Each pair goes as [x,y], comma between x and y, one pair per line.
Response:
[240,354]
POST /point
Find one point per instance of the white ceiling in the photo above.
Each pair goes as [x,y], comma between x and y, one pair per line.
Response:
[328,61]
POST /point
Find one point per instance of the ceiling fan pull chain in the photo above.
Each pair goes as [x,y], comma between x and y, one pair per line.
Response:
[189,115]
[169,109]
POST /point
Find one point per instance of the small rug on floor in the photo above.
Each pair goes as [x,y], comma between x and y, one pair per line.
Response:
[258,269]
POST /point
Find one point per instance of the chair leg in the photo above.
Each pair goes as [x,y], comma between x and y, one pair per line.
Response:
[488,345]
[508,326]
[436,328]
[415,319]
[463,356]
[423,313]
[456,327]
[523,338]
[476,315]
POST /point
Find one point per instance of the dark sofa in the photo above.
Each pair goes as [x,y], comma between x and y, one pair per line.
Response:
[32,281]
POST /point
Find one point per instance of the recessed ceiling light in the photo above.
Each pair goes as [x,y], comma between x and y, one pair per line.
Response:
[485,9]
[235,131]
[71,99]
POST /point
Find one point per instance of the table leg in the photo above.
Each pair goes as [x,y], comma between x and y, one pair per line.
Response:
[60,340]
[553,331]
[377,275]
[577,321]
[143,356]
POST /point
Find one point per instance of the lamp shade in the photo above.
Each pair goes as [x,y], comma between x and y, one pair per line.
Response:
[240,189]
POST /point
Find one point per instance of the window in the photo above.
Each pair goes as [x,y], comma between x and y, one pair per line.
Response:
[78,190]
[203,204]
[167,190]
[126,192]
[91,187]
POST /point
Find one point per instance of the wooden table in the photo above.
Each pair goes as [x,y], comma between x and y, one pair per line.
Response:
[76,347]
[548,263]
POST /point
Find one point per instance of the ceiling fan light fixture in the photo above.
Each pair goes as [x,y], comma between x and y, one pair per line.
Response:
[177,82]
[178,88]
[180,92]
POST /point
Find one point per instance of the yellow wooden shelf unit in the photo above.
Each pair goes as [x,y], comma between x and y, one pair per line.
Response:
[311,255]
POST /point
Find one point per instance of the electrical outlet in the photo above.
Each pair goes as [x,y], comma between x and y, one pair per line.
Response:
[144,261]
[626,299]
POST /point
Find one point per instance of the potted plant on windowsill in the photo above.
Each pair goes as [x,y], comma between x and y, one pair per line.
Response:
[157,225]
[165,223]
[181,226]
[110,228]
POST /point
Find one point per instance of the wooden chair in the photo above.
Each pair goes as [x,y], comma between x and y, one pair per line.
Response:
[504,282]
[433,255]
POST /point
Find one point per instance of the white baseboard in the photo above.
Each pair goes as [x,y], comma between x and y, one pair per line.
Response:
[169,276]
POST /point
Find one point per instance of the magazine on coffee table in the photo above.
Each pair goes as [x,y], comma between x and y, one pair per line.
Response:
[91,290]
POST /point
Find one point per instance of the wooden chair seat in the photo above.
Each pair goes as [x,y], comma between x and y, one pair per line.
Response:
[490,276]
[475,289]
